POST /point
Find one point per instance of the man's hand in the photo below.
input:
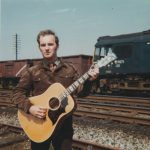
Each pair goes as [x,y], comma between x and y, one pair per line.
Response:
[38,111]
[93,72]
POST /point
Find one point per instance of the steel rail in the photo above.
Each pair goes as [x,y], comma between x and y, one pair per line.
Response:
[132,100]
[110,116]
[87,145]
[77,144]
[112,107]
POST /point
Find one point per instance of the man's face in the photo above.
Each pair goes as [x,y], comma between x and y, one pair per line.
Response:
[48,46]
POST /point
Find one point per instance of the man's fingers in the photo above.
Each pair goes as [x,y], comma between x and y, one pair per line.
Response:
[42,108]
[40,115]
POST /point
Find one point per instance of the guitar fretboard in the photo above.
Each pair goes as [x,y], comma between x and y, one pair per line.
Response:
[101,63]
[74,86]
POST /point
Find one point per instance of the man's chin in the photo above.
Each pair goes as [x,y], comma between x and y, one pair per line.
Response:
[48,56]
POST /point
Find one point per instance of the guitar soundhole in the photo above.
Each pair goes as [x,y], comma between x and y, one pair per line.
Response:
[54,103]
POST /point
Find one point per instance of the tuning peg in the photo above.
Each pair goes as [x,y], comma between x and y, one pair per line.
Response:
[115,61]
[108,65]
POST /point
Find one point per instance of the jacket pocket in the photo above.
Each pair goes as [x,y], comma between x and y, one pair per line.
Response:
[40,84]
[65,80]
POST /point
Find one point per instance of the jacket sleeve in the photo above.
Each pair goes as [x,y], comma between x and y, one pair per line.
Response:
[22,91]
[85,89]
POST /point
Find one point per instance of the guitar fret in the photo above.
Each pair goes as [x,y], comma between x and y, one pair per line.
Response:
[75,86]
[71,88]
[85,76]
[76,83]
[66,93]
[61,97]
[81,80]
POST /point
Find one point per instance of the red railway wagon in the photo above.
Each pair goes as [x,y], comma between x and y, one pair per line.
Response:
[81,62]
[10,71]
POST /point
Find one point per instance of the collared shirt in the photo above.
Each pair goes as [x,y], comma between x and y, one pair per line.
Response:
[38,78]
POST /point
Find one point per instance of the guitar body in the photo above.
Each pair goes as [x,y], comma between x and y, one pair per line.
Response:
[39,130]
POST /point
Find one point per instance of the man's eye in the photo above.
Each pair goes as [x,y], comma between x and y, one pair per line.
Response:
[50,44]
[42,45]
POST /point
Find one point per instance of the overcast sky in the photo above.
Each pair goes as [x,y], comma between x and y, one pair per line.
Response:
[78,23]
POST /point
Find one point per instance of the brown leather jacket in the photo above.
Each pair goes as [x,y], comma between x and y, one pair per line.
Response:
[38,78]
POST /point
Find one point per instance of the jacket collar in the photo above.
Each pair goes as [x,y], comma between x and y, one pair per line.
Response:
[58,62]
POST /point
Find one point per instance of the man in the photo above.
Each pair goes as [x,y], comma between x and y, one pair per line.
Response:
[38,78]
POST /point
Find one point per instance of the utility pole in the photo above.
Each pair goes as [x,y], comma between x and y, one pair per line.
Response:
[17,44]
[16,37]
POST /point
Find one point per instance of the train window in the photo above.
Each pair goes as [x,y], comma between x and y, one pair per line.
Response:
[110,50]
[103,52]
[123,51]
[97,53]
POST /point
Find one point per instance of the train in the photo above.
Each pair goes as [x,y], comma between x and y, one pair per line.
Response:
[129,74]
[11,70]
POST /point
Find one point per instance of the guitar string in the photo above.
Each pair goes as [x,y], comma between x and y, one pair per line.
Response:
[73,87]
[104,61]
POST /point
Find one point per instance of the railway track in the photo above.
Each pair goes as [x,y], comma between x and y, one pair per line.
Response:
[122,100]
[12,136]
[124,109]
[5,95]
[84,145]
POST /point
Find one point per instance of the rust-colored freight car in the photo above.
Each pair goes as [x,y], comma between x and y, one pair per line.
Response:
[81,62]
[10,71]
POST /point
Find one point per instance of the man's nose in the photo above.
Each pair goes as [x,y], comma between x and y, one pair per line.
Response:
[47,47]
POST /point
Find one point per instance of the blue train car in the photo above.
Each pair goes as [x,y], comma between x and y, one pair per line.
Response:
[131,70]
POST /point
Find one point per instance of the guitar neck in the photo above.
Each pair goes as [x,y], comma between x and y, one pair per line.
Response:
[74,85]
[101,63]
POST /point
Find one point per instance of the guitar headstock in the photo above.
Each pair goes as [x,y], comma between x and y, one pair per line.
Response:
[106,60]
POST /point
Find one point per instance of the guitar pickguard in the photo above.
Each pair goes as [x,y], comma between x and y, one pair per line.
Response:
[54,114]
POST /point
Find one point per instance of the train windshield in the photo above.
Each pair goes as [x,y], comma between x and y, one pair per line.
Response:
[101,52]
[122,51]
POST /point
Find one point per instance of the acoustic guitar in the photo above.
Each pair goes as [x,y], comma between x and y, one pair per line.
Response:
[59,103]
